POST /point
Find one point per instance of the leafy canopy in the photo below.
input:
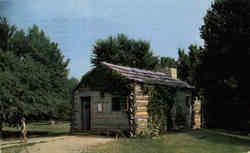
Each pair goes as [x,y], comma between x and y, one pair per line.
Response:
[223,68]
[33,73]
[121,50]
[226,35]
[188,66]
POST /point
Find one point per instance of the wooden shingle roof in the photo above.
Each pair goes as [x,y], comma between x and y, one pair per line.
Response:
[148,77]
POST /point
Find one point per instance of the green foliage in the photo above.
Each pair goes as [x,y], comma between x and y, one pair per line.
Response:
[64,108]
[33,73]
[167,62]
[189,66]
[219,1]
[150,132]
[6,32]
[121,50]
[160,104]
[106,80]
[188,63]
[222,71]
[226,35]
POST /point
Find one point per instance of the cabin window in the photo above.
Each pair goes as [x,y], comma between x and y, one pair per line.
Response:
[100,107]
[116,104]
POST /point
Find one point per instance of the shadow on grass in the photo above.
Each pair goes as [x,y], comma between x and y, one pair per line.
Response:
[218,137]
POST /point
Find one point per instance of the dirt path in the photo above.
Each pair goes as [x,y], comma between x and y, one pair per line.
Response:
[66,144]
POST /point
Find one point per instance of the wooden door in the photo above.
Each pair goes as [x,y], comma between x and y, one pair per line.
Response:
[85,115]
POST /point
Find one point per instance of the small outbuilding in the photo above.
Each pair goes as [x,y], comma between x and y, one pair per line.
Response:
[95,109]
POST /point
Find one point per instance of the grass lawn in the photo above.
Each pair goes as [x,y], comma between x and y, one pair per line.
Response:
[39,129]
[202,141]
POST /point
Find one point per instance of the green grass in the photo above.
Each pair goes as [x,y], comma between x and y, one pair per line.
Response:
[202,141]
[38,129]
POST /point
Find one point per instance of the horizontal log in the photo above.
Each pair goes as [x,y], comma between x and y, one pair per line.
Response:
[142,98]
[141,104]
[141,101]
[141,109]
[141,113]
[144,116]
[140,119]
[139,93]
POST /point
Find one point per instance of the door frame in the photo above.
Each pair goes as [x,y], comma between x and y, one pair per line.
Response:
[85,102]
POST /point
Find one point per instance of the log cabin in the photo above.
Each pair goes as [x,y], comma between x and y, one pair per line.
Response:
[99,110]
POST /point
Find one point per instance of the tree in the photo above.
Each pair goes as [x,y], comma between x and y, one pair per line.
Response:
[184,65]
[6,31]
[124,51]
[71,84]
[226,34]
[166,62]
[188,65]
[65,107]
[33,73]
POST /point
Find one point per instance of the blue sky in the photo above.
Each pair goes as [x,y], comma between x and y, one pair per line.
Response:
[77,24]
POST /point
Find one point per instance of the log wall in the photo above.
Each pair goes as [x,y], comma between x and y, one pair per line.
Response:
[110,120]
[105,120]
[141,114]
